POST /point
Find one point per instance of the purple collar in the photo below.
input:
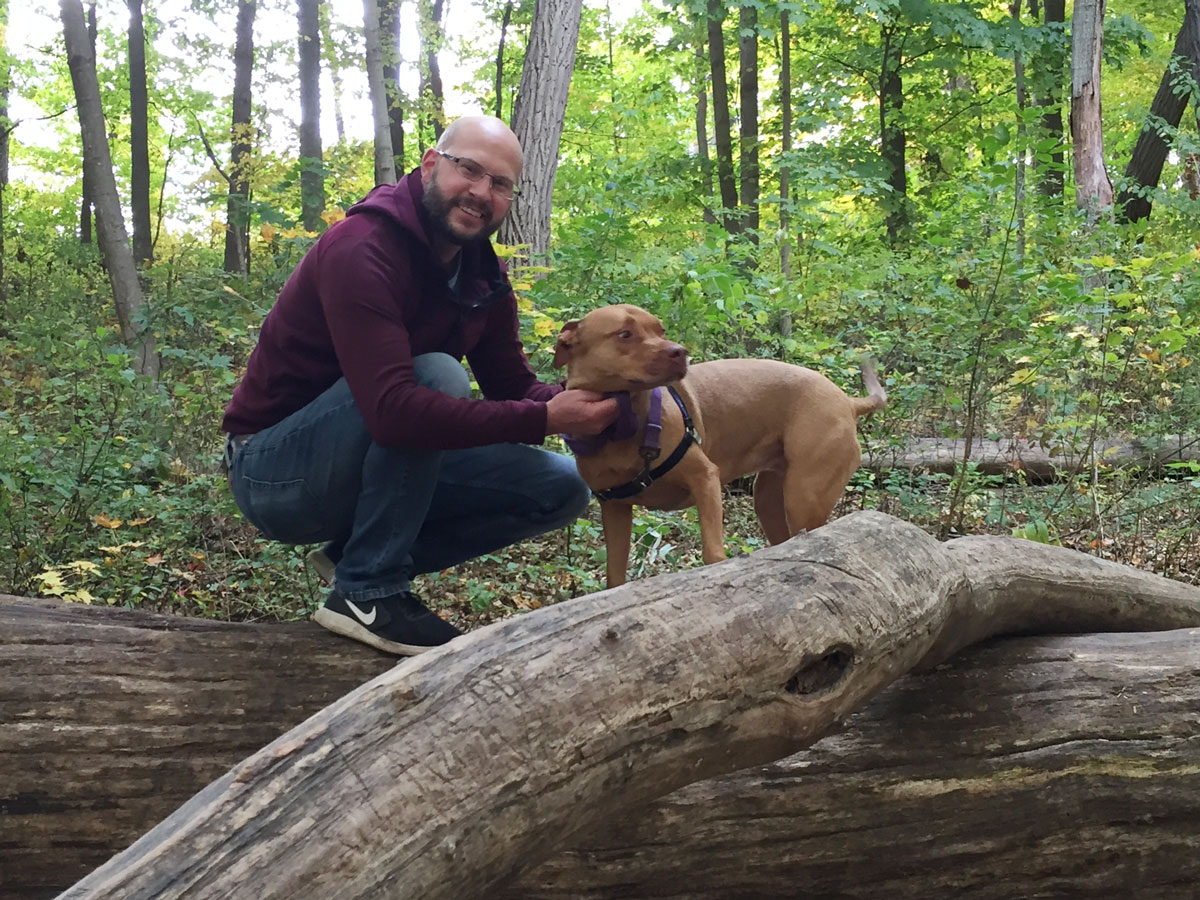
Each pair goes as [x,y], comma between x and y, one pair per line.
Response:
[624,427]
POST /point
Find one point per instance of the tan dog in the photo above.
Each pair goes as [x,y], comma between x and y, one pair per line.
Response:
[792,426]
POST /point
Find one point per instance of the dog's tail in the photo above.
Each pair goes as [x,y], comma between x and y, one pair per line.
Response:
[876,396]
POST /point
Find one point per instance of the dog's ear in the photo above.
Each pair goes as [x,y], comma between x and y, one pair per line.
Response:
[566,343]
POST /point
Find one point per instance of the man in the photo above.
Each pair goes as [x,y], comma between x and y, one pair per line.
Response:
[353,423]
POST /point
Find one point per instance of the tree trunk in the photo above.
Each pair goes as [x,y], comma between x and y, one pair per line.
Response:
[1093,189]
[893,139]
[538,121]
[1014,9]
[706,172]
[131,307]
[1030,767]
[785,104]
[335,69]
[1050,182]
[389,25]
[748,119]
[241,134]
[85,199]
[385,160]
[1038,463]
[461,768]
[312,175]
[433,99]
[721,129]
[1145,165]
[508,8]
[139,138]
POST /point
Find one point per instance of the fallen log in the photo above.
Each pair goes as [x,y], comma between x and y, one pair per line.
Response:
[457,770]
[110,719]
[1037,462]
[1029,767]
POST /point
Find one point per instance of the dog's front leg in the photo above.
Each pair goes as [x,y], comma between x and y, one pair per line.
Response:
[711,510]
[617,519]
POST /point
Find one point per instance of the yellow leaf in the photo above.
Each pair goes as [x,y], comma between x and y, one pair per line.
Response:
[544,327]
[106,521]
[82,566]
[155,560]
[79,596]
[51,582]
[333,214]
[217,227]
[141,521]
[267,231]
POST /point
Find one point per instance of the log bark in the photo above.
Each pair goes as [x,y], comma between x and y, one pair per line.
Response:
[1032,767]
[455,771]
[111,719]
[1038,463]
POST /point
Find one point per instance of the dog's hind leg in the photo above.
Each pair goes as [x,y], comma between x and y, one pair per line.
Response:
[768,504]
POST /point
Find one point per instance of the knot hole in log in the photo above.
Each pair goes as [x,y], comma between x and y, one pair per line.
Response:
[821,675]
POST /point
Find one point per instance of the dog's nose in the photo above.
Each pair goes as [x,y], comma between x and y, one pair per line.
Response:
[675,351]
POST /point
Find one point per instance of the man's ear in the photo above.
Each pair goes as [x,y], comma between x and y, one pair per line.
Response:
[566,343]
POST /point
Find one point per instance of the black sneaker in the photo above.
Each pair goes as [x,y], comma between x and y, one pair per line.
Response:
[397,624]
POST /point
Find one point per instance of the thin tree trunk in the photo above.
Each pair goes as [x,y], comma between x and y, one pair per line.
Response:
[85,200]
[433,100]
[706,171]
[748,119]
[132,309]
[312,176]
[538,120]
[389,27]
[1093,188]
[893,138]
[139,137]
[504,22]
[1014,9]
[1149,154]
[483,757]
[385,159]
[241,132]
[335,70]
[1052,176]
[721,125]
[785,213]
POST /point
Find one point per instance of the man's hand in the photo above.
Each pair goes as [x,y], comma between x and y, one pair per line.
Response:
[579,412]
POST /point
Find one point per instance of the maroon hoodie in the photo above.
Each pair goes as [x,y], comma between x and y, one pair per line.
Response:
[368,297]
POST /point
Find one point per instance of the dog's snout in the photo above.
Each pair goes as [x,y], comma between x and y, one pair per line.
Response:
[675,351]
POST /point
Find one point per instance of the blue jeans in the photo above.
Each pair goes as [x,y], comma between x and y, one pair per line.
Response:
[318,476]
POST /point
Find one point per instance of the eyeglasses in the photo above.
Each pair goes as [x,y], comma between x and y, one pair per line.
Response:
[472,171]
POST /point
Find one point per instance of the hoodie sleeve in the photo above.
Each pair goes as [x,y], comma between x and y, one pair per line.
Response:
[364,288]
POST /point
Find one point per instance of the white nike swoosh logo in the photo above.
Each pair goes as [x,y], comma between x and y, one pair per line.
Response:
[365,618]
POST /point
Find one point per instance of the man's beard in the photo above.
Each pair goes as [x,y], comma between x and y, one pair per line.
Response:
[438,205]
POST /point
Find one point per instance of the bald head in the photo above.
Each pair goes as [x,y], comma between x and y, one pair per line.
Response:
[476,136]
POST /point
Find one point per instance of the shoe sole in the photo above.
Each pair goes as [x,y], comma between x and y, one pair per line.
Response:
[322,565]
[351,628]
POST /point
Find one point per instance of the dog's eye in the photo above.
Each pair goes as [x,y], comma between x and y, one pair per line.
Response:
[625,335]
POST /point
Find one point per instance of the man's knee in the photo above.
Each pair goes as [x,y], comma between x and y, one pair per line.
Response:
[570,493]
[442,372]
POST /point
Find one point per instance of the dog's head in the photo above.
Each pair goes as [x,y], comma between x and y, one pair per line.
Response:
[619,348]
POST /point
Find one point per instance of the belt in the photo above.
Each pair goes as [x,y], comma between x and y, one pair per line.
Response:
[233,443]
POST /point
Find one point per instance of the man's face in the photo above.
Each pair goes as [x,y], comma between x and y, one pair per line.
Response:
[463,211]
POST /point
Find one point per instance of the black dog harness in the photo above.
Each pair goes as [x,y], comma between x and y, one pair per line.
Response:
[650,450]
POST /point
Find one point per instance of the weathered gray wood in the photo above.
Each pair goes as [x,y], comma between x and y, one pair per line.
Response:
[1032,767]
[458,769]
[109,720]
[1038,463]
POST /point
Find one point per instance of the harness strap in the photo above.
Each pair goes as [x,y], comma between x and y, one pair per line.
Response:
[648,476]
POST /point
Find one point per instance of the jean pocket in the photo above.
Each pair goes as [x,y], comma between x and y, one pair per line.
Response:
[284,511]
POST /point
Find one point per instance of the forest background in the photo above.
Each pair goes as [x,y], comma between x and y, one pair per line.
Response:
[807,181]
